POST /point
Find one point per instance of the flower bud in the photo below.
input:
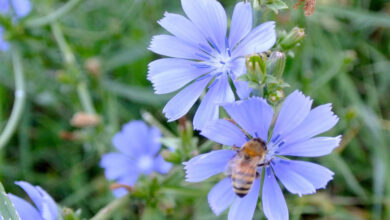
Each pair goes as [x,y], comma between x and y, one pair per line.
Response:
[169,156]
[294,37]
[277,63]
[93,66]
[276,96]
[82,119]
[256,66]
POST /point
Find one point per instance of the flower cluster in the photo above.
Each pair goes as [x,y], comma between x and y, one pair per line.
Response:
[45,207]
[202,55]
[138,147]
[21,8]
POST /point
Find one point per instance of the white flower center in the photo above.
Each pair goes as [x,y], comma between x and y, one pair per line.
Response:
[145,163]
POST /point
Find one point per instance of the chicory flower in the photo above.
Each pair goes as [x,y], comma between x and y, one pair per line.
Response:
[45,207]
[294,134]
[202,55]
[138,147]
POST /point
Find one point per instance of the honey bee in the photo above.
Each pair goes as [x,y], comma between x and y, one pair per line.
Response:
[242,168]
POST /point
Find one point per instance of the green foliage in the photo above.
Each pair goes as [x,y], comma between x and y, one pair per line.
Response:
[343,59]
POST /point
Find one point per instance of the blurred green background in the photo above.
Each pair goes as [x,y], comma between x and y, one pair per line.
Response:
[344,59]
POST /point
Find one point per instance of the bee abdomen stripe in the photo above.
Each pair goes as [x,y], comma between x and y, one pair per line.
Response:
[242,181]
[239,173]
[246,189]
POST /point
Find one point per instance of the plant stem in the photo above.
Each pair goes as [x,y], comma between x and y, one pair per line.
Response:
[107,211]
[82,90]
[20,98]
[48,19]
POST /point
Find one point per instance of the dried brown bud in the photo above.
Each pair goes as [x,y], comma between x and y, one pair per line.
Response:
[118,185]
[93,66]
[309,6]
[69,136]
[82,119]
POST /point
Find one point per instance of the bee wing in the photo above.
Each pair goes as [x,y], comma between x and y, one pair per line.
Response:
[230,166]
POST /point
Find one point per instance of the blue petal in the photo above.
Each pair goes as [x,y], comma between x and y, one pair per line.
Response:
[253,115]
[274,204]
[180,104]
[258,40]
[241,23]
[244,208]
[317,175]
[242,88]
[204,166]
[24,209]
[183,28]
[42,200]
[22,7]
[237,67]
[4,7]
[208,111]
[224,132]
[170,74]
[221,196]
[294,110]
[129,181]
[132,139]
[293,182]
[32,192]
[161,166]
[209,17]
[50,209]
[117,165]
[319,120]
[171,46]
[314,147]
[154,141]
[4,45]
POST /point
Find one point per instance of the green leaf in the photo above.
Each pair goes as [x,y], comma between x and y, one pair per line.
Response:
[7,209]
[135,93]
[276,5]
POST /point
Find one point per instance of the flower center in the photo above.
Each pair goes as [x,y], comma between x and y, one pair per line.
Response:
[145,163]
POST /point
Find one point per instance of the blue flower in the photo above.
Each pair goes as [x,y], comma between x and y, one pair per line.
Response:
[138,147]
[21,8]
[293,135]
[201,54]
[45,207]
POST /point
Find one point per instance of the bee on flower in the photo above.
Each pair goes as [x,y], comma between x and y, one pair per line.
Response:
[257,150]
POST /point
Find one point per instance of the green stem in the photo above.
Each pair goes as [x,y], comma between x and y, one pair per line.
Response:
[148,117]
[82,90]
[20,98]
[107,211]
[48,19]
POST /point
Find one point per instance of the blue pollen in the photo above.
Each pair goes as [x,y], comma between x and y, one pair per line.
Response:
[221,62]
[281,144]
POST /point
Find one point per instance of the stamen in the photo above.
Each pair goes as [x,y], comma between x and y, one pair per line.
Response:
[211,42]
[275,138]
[227,47]
[203,56]
[201,65]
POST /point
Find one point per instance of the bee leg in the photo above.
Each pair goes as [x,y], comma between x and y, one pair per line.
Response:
[265,163]
[235,148]
[257,175]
